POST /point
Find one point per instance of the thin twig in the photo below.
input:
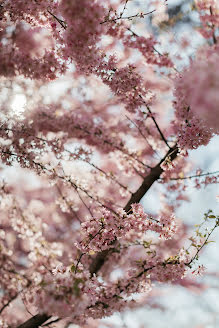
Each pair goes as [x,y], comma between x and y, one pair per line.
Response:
[60,21]
[157,51]
[140,15]
[124,8]
[193,176]
[103,172]
[142,134]
[68,204]
[205,242]
[157,126]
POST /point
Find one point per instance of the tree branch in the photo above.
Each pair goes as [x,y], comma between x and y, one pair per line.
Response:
[138,15]
[35,321]
[100,259]
[153,176]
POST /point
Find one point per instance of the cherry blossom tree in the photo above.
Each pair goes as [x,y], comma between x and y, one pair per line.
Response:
[107,117]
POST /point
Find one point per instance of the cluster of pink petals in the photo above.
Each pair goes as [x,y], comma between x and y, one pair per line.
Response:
[125,83]
[61,291]
[100,234]
[28,10]
[83,32]
[168,272]
[199,270]
[206,181]
[209,16]
[147,47]
[13,62]
[197,101]
[74,44]
[71,292]
[22,54]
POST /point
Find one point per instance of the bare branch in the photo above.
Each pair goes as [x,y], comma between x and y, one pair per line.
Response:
[35,321]
[194,176]
[138,15]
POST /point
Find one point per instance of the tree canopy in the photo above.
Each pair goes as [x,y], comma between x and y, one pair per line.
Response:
[94,115]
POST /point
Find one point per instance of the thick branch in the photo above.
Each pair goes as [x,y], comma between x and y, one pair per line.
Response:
[100,259]
[153,176]
[35,321]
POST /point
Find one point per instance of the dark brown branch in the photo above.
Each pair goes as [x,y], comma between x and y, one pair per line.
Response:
[213,27]
[155,122]
[100,259]
[35,321]
[107,175]
[153,176]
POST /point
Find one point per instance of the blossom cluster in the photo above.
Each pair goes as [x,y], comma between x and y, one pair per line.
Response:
[100,234]
[206,181]
[61,291]
[80,43]
[125,83]
[197,100]
[168,272]
[146,46]
[209,16]
[34,12]
[32,59]
[69,290]
[80,296]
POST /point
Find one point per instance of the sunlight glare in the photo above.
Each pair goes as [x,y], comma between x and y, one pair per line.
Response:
[18,104]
